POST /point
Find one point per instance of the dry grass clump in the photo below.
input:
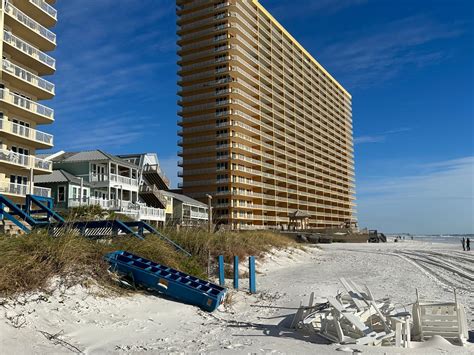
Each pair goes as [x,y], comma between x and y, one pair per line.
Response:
[242,244]
[29,262]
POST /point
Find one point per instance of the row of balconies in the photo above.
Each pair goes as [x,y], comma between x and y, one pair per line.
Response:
[327,107]
[254,206]
[28,28]
[302,79]
[253,120]
[291,177]
[42,140]
[329,211]
[271,157]
[254,90]
[284,127]
[290,53]
[324,173]
[277,187]
[203,12]
[308,133]
[287,44]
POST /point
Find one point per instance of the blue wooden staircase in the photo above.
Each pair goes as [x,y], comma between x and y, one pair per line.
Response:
[39,214]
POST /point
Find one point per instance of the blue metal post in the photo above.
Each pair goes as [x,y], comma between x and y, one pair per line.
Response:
[221,270]
[252,284]
[236,272]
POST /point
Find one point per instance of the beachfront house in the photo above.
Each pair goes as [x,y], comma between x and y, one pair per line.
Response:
[66,189]
[151,178]
[185,211]
[99,179]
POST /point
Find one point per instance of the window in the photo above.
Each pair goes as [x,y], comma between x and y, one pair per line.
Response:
[61,194]
[17,179]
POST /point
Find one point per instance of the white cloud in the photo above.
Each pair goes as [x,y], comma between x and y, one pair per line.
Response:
[379,138]
[370,56]
[439,199]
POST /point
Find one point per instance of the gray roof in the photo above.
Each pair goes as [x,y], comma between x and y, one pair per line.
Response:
[58,176]
[185,199]
[90,155]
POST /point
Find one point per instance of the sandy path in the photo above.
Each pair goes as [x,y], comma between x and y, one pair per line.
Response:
[251,324]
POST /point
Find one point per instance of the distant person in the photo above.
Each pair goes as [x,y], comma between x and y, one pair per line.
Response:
[468,244]
[463,242]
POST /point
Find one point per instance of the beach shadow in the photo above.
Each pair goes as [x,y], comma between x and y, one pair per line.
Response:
[280,330]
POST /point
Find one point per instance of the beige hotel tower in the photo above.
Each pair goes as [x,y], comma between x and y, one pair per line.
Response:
[266,130]
[25,60]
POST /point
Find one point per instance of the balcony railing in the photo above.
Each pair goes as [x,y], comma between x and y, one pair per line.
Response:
[26,132]
[105,204]
[27,76]
[30,23]
[28,49]
[41,191]
[199,215]
[152,213]
[27,161]
[43,5]
[26,104]
[14,189]
[123,180]
[23,190]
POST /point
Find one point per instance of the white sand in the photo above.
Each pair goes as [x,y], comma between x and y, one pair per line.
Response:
[147,323]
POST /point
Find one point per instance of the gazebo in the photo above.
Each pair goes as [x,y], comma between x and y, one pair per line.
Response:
[299,219]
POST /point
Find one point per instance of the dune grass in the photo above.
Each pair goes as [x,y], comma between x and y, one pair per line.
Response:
[30,261]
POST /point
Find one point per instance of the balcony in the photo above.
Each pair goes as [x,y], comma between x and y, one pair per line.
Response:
[21,190]
[39,10]
[93,201]
[28,55]
[123,180]
[28,135]
[41,191]
[27,81]
[29,29]
[22,106]
[12,159]
[198,215]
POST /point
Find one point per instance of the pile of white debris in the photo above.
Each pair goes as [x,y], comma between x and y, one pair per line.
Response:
[356,317]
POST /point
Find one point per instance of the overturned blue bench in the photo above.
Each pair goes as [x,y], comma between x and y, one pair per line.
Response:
[166,280]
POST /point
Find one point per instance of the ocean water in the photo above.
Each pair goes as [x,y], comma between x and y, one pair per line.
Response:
[449,239]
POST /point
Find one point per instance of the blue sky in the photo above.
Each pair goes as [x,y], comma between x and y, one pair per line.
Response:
[408,65]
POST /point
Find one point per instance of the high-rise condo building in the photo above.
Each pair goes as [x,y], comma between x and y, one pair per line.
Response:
[26,39]
[266,130]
